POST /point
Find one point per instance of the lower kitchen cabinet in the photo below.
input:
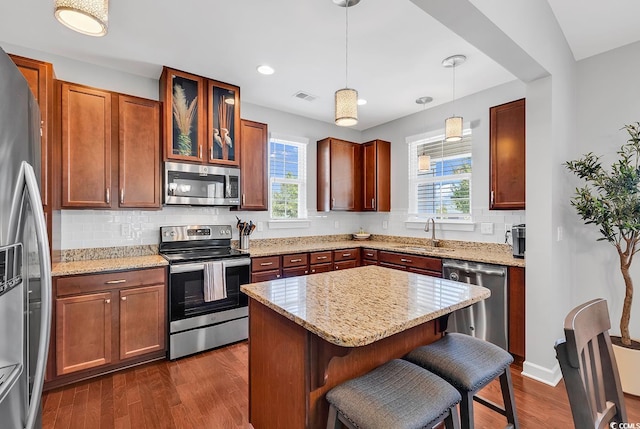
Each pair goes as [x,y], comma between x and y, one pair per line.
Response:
[320,262]
[295,265]
[369,257]
[345,258]
[416,264]
[106,321]
[265,268]
[516,314]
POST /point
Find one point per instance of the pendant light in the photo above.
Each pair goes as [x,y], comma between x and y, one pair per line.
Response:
[453,125]
[424,160]
[88,17]
[346,99]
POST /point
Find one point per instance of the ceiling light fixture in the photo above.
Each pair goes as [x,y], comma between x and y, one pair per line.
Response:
[361,101]
[88,17]
[424,160]
[346,99]
[453,125]
[265,69]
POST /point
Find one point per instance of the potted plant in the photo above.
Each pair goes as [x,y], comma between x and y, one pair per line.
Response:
[611,200]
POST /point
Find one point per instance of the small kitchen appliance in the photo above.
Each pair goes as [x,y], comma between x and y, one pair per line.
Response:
[518,236]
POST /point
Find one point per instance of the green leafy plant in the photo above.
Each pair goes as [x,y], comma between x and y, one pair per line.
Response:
[611,200]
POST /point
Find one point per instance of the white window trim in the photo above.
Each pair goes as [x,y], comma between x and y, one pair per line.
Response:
[417,221]
[301,221]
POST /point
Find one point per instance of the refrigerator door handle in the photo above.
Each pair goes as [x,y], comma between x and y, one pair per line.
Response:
[27,182]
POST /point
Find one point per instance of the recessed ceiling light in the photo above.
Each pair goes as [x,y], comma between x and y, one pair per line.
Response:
[361,101]
[265,69]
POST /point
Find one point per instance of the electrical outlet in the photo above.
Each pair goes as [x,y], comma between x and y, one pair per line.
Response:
[560,233]
[260,226]
[336,224]
[125,230]
[385,224]
[486,228]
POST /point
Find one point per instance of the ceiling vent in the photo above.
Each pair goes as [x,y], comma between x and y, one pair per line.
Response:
[304,96]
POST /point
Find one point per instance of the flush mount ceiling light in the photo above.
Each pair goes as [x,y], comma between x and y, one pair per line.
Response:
[88,17]
[346,100]
[424,160]
[361,101]
[265,69]
[453,125]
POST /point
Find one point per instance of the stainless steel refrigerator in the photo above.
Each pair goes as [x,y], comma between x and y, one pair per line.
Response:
[25,267]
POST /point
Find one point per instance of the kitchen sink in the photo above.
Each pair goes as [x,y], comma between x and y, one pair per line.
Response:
[426,249]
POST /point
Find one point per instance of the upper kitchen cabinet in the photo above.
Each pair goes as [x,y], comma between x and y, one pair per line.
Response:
[223,117]
[86,147]
[201,117]
[339,175]
[183,97]
[253,166]
[376,176]
[507,156]
[110,151]
[139,152]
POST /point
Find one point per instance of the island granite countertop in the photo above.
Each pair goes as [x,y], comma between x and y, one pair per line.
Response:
[359,306]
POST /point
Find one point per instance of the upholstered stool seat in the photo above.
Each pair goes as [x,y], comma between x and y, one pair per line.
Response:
[397,395]
[469,364]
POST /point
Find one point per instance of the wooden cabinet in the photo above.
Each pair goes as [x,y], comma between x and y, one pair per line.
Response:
[418,264]
[102,322]
[39,76]
[376,176]
[320,262]
[507,156]
[295,265]
[86,147]
[345,258]
[139,152]
[265,268]
[254,175]
[201,117]
[369,257]
[104,132]
[516,311]
[339,175]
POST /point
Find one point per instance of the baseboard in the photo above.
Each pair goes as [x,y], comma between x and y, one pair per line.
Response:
[542,374]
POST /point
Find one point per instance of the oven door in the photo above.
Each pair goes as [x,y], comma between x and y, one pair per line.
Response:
[186,288]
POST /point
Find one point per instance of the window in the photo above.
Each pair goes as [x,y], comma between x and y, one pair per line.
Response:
[287,177]
[443,191]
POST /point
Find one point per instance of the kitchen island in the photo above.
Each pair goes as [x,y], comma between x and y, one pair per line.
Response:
[308,334]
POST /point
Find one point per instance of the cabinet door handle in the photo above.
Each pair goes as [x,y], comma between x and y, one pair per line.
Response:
[124,298]
[306,272]
[346,255]
[491,197]
[295,260]
[115,282]
[107,301]
[122,196]
[243,199]
[200,152]
[277,276]
[211,153]
[333,202]
[266,264]
[373,203]
[108,196]
[369,254]
[405,260]
[321,258]
[313,271]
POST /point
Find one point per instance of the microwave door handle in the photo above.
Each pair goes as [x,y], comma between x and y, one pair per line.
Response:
[45,271]
[227,184]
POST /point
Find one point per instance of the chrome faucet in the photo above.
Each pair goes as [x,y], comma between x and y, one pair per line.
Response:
[434,242]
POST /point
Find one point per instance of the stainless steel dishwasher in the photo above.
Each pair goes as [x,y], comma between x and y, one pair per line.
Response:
[486,319]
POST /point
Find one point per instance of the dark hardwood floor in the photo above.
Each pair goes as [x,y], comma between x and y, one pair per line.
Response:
[209,390]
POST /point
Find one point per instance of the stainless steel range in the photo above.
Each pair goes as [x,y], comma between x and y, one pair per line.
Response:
[206,307]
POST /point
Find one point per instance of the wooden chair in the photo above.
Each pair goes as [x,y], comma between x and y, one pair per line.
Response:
[589,367]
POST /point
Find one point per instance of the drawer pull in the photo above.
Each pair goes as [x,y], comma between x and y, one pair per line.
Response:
[266,264]
[107,301]
[346,255]
[115,282]
[277,276]
[296,260]
[313,271]
[124,298]
[369,254]
[406,260]
[318,258]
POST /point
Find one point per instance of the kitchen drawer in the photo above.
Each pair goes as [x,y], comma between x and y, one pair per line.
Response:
[370,254]
[425,272]
[369,262]
[265,276]
[341,265]
[320,268]
[320,257]
[108,281]
[394,266]
[295,260]
[345,255]
[265,263]
[421,262]
[295,271]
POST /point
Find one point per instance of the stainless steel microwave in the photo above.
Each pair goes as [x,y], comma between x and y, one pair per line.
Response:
[201,185]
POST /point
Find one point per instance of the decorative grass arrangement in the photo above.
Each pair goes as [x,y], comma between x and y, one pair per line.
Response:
[183,114]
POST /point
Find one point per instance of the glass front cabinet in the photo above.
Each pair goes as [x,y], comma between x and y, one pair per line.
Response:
[201,118]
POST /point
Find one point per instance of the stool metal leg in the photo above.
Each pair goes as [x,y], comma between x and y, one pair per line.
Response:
[333,422]
[466,410]
[453,419]
[507,396]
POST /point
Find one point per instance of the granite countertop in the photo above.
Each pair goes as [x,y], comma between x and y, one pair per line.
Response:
[476,252]
[359,306]
[107,264]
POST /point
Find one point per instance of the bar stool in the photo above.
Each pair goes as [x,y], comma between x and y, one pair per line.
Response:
[397,394]
[469,364]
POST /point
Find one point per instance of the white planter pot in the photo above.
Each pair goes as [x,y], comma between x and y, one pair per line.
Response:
[628,363]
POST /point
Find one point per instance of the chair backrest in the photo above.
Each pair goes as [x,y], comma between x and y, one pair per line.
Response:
[589,367]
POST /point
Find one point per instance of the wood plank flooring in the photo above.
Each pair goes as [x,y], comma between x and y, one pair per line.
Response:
[209,390]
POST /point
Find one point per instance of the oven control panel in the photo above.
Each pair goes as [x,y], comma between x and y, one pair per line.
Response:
[194,232]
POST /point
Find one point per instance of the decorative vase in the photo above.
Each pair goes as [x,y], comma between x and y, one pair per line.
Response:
[184,144]
[628,360]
